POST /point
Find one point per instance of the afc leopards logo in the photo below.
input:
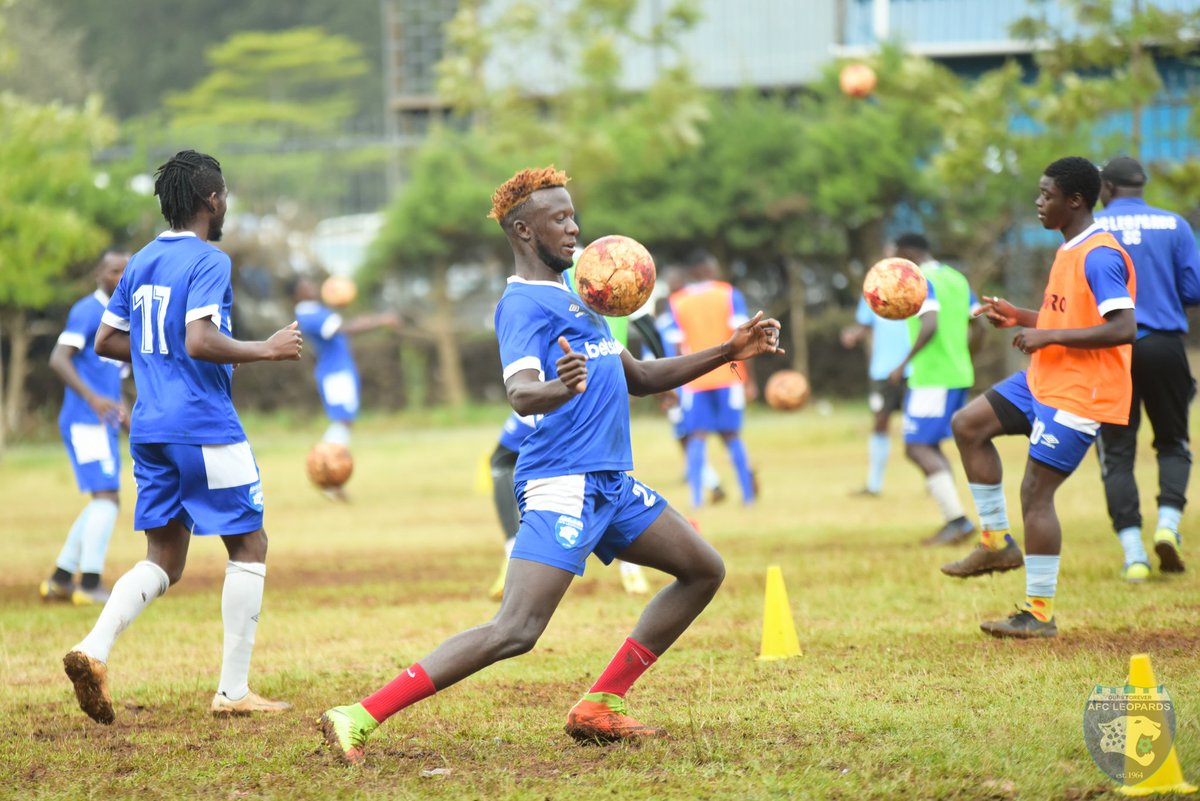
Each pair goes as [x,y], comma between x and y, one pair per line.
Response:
[567,530]
[605,347]
[1129,730]
[256,496]
[578,312]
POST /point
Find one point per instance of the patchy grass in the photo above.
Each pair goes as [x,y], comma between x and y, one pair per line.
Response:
[898,695]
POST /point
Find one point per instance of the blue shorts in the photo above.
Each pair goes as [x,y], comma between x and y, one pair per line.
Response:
[211,489]
[95,455]
[565,518]
[717,410]
[339,394]
[1057,439]
[927,413]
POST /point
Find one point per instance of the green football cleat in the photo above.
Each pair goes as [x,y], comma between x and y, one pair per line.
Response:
[1166,545]
[1136,572]
[1022,625]
[346,729]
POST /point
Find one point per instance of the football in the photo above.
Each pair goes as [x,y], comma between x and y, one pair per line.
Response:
[338,290]
[615,275]
[894,288]
[857,80]
[329,465]
[786,390]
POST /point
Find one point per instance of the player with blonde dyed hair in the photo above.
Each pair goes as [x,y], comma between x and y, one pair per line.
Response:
[562,365]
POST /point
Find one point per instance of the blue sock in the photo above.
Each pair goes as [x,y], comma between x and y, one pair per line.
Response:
[695,470]
[1041,575]
[741,463]
[96,535]
[1169,517]
[1131,543]
[68,558]
[989,502]
[879,446]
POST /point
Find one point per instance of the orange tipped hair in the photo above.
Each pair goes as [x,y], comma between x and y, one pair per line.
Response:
[516,190]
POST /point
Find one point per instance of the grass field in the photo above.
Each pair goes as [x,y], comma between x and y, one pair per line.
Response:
[898,694]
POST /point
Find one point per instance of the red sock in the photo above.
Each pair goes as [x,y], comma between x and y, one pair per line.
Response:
[626,667]
[405,690]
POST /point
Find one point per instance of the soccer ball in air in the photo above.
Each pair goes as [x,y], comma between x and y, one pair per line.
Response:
[786,390]
[329,465]
[857,80]
[615,275]
[894,288]
[338,290]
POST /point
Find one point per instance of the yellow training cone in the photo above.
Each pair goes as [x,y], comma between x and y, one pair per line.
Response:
[779,639]
[1168,778]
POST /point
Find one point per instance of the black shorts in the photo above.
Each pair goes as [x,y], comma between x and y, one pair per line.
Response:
[884,396]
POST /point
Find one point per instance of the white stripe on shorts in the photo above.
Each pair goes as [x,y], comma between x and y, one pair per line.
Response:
[229,465]
[1076,423]
[926,402]
[560,494]
[90,443]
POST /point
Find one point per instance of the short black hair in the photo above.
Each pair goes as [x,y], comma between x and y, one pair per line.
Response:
[1124,171]
[697,257]
[183,185]
[912,241]
[1075,175]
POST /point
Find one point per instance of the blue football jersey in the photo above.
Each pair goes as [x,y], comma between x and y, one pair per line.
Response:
[101,374]
[169,283]
[590,432]
[322,329]
[517,429]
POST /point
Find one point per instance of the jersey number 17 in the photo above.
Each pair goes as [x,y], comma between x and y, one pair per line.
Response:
[144,298]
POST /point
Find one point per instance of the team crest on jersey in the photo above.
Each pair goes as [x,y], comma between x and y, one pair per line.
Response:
[256,496]
[1129,730]
[567,530]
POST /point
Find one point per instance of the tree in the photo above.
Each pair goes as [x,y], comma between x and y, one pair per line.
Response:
[53,216]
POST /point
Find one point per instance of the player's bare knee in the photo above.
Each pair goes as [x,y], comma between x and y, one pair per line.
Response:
[514,636]
[960,426]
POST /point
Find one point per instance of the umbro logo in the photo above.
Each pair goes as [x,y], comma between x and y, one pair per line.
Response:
[578,311]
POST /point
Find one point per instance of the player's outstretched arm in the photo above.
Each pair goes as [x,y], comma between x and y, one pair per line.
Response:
[370,322]
[528,394]
[204,341]
[752,338]
[1002,314]
[1119,328]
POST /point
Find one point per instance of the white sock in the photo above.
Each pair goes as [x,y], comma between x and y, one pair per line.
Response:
[629,568]
[97,531]
[710,479]
[1131,543]
[241,602]
[941,486]
[338,433]
[68,558]
[132,593]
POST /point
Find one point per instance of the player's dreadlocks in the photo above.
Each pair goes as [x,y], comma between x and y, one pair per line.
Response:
[183,185]
[1075,175]
[516,190]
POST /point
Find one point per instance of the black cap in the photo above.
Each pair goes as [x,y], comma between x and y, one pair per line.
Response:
[1124,171]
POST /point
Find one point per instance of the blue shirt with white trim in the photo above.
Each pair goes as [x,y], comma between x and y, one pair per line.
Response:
[516,430]
[590,432]
[322,327]
[1164,253]
[170,282]
[103,376]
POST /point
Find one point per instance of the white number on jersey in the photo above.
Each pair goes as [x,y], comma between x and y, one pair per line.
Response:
[143,298]
[643,492]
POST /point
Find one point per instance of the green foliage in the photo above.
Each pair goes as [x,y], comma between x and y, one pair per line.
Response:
[52,214]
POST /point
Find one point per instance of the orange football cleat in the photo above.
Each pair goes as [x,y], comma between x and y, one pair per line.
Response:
[601,718]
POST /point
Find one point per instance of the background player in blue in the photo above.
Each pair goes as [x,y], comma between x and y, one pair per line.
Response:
[889,346]
[91,413]
[195,473]
[560,361]
[336,374]
[1163,249]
